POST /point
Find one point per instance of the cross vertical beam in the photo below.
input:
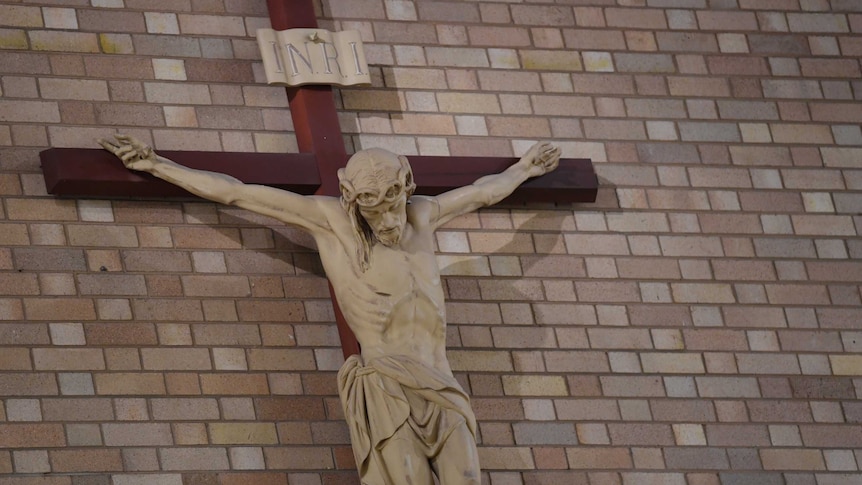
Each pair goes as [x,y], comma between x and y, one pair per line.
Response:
[315,122]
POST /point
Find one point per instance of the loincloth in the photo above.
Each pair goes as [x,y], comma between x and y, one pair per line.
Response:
[381,395]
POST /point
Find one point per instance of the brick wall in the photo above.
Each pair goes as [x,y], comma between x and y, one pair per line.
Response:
[699,324]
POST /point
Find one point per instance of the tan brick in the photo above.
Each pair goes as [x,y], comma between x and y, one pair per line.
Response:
[59,309]
[596,457]
[243,433]
[778,459]
[282,359]
[206,238]
[194,459]
[825,225]
[509,458]
[77,89]
[15,359]
[844,365]
[270,311]
[18,284]
[163,261]
[112,20]
[85,409]
[542,15]
[727,387]
[168,310]
[231,384]
[43,40]
[544,60]
[298,458]
[21,16]
[702,293]
[457,57]
[81,461]
[102,236]
[29,111]
[801,133]
[109,284]
[148,479]
[176,359]
[672,363]
[212,285]
[474,103]
[205,24]
[498,36]
[68,359]
[41,209]
[172,93]
[424,124]
[137,434]
[130,384]
[122,359]
[523,385]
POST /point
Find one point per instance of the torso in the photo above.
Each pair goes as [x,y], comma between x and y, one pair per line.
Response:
[396,306]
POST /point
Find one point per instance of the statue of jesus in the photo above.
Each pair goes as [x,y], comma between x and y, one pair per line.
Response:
[409,419]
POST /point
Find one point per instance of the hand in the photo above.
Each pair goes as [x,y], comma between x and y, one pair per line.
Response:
[135,154]
[544,158]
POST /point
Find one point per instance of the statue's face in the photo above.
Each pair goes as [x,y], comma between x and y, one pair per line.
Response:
[387,219]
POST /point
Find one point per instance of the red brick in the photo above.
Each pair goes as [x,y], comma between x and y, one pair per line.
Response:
[639,18]
[723,21]
[632,386]
[542,15]
[831,436]
[737,66]
[32,436]
[737,435]
[598,457]
[640,434]
[677,410]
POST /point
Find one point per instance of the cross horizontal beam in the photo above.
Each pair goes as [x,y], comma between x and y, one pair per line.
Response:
[96,173]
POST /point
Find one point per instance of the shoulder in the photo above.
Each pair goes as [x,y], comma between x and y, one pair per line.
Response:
[422,209]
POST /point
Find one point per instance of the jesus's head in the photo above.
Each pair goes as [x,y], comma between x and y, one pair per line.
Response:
[375,186]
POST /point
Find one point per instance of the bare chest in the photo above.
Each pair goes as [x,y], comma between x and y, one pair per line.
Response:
[395,272]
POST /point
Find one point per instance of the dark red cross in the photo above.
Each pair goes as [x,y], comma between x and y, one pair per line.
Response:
[76,172]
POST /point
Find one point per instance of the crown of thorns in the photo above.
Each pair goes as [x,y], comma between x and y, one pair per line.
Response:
[374,190]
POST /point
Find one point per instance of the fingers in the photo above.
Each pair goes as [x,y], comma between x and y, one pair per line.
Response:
[107,145]
[550,152]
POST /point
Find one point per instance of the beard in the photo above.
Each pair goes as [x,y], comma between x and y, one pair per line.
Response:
[390,237]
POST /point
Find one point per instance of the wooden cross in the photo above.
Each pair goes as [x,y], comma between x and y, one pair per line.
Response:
[75,172]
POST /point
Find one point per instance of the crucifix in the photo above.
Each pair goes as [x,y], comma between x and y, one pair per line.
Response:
[75,172]
[401,383]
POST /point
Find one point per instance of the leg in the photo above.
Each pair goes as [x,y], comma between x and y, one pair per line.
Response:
[403,461]
[458,461]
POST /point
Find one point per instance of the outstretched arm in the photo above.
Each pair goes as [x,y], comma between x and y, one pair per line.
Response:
[291,208]
[540,159]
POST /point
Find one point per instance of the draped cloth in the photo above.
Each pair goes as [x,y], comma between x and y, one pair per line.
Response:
[384,394]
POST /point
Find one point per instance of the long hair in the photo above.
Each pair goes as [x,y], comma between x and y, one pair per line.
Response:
[371,177]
